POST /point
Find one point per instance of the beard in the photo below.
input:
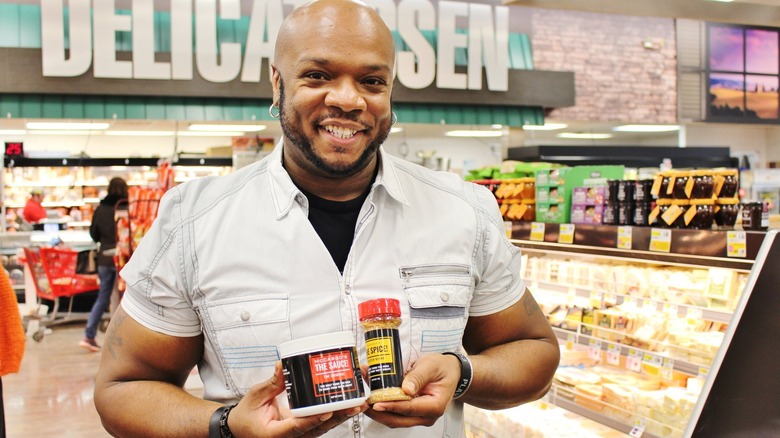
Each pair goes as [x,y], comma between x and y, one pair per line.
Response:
[291,127]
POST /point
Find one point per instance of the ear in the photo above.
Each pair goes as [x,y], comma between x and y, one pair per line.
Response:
[275,77]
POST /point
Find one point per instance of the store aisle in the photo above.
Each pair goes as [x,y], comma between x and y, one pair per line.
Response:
[52,394]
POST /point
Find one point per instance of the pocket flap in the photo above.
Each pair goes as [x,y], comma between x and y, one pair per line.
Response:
[237,312]
[445,301]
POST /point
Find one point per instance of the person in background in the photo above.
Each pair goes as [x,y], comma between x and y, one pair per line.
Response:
[11,337]
[288,247]
[103,231]
[33,211]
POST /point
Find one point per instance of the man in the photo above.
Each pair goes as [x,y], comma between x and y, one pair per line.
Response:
[33,211]
[288,247]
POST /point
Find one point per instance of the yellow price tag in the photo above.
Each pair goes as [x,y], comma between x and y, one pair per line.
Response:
[537,231]
[660,240]
[624,237]
[736,244]
[566,233]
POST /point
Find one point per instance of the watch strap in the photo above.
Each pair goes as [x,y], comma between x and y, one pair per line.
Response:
[218,425]
[466,374]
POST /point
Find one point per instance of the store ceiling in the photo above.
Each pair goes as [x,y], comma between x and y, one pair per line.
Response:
[748,12]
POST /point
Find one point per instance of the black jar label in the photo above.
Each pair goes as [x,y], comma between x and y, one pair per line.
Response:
[383,352]
[322,377]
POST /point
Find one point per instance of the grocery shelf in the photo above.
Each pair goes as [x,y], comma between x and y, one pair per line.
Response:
[680,310]
[571,406]
[689,368]
[708,248]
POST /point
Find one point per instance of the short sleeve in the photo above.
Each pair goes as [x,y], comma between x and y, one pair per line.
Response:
[157,291]
[499,285]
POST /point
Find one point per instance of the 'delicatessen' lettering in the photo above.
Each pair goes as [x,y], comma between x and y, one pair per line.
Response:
[97,21]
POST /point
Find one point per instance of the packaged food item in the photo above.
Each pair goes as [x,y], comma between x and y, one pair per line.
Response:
[703,184]
[755,216]
[643,190]
[726,212]
[380,319]
[322,373]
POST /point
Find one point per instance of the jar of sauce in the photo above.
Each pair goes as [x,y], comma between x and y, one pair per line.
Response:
[703,184]
[755,216]
[680,188]
[701,214]
[726,212]
[726,183]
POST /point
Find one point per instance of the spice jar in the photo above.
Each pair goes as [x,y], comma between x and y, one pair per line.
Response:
[380,319]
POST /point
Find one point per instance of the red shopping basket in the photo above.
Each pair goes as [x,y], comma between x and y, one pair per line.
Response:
[60,267]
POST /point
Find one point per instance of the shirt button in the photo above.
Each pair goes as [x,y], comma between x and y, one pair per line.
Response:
[445,296]
[245,316]
[348,290]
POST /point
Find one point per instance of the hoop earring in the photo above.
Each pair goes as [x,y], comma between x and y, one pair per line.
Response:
[393,118]
[274,115]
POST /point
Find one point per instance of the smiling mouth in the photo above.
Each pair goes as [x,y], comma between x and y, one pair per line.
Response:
[339,132]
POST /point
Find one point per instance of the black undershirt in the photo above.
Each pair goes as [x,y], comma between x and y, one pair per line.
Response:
[334,222]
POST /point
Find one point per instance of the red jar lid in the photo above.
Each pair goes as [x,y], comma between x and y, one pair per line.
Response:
[380,306]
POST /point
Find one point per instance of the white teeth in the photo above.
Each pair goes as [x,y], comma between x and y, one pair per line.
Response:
[339,131]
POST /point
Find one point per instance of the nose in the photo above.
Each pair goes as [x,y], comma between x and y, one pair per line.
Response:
[345,95]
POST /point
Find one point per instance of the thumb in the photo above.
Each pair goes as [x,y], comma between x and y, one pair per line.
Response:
[269,389]
[422,372]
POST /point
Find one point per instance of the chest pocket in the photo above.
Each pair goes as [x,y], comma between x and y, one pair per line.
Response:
[245,334]
[438,296]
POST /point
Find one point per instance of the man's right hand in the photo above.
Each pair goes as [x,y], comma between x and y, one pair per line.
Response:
[258,415]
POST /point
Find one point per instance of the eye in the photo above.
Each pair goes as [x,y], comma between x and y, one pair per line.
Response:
[316,75]
[374,81]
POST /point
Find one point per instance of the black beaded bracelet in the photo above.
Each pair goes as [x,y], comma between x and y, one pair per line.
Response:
[218,426]
[466,374]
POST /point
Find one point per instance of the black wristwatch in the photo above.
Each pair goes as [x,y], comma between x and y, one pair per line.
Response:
[465,374]
[218,426]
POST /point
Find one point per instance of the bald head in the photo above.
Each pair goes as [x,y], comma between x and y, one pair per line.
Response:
[346,19]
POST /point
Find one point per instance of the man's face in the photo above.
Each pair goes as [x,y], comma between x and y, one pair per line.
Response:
[333,86]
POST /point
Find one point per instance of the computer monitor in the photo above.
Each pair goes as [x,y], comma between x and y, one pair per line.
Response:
[741,394]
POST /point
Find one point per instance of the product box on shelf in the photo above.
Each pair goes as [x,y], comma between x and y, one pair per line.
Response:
[553,213]
[593,195]
[552,195]
[551,177]
[587,214]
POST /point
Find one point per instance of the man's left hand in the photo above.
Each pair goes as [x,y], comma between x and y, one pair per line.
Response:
[431,383]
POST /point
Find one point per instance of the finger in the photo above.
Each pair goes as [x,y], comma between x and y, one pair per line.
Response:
[430,369]
[268,390]
[395,420]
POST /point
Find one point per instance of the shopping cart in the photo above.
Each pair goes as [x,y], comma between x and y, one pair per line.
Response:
[54,276]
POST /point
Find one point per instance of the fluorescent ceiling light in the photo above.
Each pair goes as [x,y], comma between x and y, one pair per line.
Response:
[66,125]
[583,136]
[12,132]
[225,127]
[63,132]
[496,126]
[140,133]
[545,127]
[209,134]
[395,129]
[465,133]
[646,128]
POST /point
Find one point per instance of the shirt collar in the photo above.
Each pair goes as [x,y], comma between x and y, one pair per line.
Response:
[284,192]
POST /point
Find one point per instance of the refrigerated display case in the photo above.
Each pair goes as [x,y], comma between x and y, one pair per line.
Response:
[640,313]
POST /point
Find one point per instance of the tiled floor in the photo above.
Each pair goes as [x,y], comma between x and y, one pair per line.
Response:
[51,396]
